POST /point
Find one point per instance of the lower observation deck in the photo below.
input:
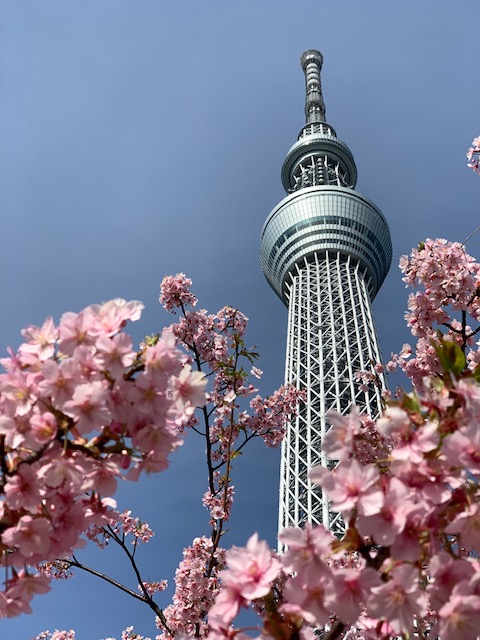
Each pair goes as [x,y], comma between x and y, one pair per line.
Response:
[320,219]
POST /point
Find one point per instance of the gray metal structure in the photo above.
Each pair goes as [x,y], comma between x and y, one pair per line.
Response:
[325,250]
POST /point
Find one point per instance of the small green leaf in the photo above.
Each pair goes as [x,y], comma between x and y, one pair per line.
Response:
[451,356]
[410,403]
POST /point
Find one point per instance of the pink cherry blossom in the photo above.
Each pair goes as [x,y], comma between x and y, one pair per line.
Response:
[30,536]
[338,442]
[445,573]
[161,359]
[305,547]
[350,485]
[88,406]
[188,390]
[23,490]
[391,520]
[459,617]
[76,329]
[350,590]
[115,353]
[102,477]
[393,421]
[226,607]
[23,586]
[467,527]
[195,589]
[175,291]
[39,341]
[251,569]
[414,443]
[463,448]
[399,600]
[161,439]
[473,155]
[308,594]
[112,316]
[59,380]
[44,427]
[220,504]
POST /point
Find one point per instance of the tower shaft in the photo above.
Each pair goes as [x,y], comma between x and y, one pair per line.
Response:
[325,250]
[331,334]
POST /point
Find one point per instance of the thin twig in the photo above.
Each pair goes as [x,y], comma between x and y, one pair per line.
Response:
[468,237]
[75,563]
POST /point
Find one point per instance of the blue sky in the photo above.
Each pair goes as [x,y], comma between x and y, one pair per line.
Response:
[146,138]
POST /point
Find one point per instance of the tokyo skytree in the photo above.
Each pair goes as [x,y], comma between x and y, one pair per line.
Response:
[325,250]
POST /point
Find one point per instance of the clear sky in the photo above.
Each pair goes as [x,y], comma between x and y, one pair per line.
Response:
[145,138]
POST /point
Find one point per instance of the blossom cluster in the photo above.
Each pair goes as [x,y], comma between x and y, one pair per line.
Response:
[214,343]
[196,588]
[445,305]
[406,486]
[234,415]
[473,155]
[56,635]
[120,524]
[80,409]
[409,560]
[127,634]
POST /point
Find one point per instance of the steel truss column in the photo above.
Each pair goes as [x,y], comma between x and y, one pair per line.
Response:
[331,335]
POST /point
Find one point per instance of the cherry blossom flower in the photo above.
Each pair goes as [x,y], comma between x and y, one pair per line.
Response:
[175,291]
[445,573]
[251,569]
[305,547]
[473,155]
[308,593]
[349,592]
[459,618]
[399,600]
[39,341]
[338,442]
[391,520]
[467,526]
[188,391]
[23,489]
[350,485]
[30,536]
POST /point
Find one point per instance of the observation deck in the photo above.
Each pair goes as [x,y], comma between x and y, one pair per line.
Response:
[322,213]
[324,218]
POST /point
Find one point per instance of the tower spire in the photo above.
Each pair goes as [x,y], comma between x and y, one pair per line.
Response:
[318,157]
[312,61]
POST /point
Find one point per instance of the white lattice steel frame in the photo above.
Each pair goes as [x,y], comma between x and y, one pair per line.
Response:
[325,250]
[331,334]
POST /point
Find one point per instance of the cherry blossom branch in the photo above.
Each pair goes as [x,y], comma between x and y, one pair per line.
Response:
[470,236]
[145,596]
[131,556]
[73,562]
[205,413]
[336,631]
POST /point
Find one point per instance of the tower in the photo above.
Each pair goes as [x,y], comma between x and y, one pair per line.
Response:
[325,249]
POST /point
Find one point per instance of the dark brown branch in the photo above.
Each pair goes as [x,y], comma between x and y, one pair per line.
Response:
[336,631]
[75,563]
